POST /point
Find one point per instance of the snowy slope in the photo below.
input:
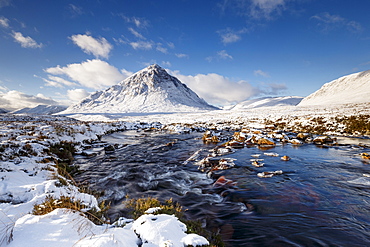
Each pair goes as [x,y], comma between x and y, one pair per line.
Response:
[149,90]
[268,102]
[41,109]
[350,89]
[3,110]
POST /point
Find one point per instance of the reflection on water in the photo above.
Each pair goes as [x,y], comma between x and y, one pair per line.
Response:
[320,199]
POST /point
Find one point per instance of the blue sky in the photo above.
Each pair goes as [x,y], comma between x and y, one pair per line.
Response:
[56,52]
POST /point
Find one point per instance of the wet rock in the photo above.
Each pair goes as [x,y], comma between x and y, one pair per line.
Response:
[265,141]
[215,164]
[235,144]
[285,158]
[239,137]
[109,149]
[210,137]
[222,181]
[256,163]
[323,140]
[303,136]
[269,174]
[365,156]
[295,142]
[88,154]
[272,154]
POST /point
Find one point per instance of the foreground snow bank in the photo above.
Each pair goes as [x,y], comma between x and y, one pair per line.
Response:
[165,230]
[64,227]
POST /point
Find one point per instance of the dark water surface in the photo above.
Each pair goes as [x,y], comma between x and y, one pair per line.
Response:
[321,199]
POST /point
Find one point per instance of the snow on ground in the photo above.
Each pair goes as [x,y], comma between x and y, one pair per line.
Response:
[28,176]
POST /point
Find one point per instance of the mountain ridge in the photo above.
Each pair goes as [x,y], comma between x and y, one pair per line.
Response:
[349,89]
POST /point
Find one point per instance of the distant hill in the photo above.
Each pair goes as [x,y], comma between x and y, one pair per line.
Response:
[149,90]
[3,111]
[41,109]
[268,102]
[354,88]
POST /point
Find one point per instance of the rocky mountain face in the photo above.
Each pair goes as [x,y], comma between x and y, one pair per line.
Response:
[350,89]
[149,90]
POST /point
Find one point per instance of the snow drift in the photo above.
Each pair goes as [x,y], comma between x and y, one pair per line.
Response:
[350,89]
[149,90]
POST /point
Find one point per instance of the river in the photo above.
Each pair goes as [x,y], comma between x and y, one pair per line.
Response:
[321,197]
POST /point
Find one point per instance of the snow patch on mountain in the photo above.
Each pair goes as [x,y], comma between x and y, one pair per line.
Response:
[350,89]
[41,109]
[268,102]
[149,90]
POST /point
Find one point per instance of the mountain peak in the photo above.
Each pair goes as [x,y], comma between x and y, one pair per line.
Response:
[151,89]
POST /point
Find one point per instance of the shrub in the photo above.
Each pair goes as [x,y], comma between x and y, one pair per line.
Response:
[50,203]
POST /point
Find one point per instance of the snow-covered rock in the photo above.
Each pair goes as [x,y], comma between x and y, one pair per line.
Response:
[350,89]
[41,109]
[268,102]
[149,90]
[165,230]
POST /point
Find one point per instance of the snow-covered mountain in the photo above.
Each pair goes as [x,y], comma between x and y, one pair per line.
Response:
[149,90]
[41,109]
[268,102]
[3,111]
[350,89]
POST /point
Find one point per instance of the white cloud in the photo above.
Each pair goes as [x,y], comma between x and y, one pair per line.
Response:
[126,73]
[142,45]
[137,21]
[217,89]
[171,45]
[76,95]
[14,100]
[224,55]
[166,63]
[230,36]
[261,73]
[328,18]
[136,33]
[256,9]
[55,81]
[97,47]
[162,49]
[75,10]
[26,42]
[327,22]
[181,55]
[4,22]
[265,8]
[94,73]
[4,3]
[220,55]
[272,88]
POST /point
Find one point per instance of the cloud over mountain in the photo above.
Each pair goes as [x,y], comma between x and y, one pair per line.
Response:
[96,74]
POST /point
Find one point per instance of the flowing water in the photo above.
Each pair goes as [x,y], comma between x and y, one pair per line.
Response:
[322,198]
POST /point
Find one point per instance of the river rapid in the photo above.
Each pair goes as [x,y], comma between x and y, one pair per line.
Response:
[321,197]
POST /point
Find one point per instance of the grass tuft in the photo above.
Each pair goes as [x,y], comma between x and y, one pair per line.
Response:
[137,207]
